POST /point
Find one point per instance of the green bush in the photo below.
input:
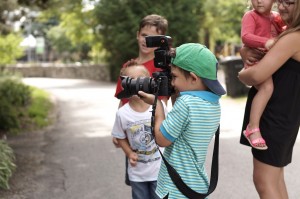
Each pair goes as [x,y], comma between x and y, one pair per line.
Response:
[7,165]
[15,96]
[8,117]
[17,93]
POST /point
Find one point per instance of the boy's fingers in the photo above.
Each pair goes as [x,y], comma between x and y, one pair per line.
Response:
[142,94]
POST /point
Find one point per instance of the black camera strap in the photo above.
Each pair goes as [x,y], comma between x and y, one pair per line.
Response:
[174,175]
[186,190]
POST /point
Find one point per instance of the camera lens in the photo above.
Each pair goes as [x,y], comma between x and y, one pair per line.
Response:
[133,86]
[160,82]
[145,84]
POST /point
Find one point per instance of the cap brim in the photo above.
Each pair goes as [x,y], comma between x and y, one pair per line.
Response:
[214,86]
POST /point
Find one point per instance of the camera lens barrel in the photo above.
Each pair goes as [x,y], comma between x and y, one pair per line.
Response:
[133,86]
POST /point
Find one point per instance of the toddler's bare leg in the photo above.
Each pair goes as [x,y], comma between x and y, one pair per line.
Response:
[259,103]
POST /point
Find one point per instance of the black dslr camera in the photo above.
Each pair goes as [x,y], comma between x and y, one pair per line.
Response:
[161,81]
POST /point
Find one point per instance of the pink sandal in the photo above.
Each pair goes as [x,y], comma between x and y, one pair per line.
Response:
[257,141]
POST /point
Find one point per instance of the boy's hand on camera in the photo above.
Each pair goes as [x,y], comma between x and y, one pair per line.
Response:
[133,158]
[146,97]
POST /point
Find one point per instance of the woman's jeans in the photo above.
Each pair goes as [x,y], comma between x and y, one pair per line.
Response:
[143,190]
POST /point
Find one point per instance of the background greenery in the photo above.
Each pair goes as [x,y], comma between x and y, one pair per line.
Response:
[104,31]
[22,109]
[7,165]
[119,16]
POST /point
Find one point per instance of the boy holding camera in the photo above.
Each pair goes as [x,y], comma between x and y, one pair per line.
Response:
[191,124]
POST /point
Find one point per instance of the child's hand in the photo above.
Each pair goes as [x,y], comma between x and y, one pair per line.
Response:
[133,158]
[251,55]
[269,44]
[146,97]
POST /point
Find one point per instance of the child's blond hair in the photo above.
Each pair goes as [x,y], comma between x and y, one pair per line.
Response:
[124,71]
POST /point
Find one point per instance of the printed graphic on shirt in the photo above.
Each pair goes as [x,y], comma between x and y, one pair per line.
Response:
[142,141]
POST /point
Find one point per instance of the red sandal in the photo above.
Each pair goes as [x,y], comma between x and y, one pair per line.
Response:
[257,141]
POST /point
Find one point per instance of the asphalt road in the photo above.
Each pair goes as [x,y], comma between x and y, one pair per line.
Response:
[80,162]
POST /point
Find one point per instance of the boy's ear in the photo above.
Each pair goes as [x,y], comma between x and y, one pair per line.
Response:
[194,76]
[137,34]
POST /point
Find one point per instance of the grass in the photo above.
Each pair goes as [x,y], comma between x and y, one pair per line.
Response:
[39,108]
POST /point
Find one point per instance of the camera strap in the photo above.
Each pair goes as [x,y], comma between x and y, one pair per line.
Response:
[174,175]
[186,190]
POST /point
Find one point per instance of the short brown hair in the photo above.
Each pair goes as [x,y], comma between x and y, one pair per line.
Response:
[160,22]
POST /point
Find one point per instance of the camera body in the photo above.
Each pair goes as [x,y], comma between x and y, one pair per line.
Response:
[161,81]
[162,57]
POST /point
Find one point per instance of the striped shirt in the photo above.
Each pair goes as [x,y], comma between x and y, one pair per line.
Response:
[190,126]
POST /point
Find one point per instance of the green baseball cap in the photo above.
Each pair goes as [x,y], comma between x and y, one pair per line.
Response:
[198,59]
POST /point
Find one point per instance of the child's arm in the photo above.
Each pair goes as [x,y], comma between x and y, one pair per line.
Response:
[159,118]
[133,157]
[249,38]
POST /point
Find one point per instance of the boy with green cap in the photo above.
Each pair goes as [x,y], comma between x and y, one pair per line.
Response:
[191,124]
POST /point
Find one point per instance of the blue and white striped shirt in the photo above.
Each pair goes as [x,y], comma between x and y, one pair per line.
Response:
[190,125]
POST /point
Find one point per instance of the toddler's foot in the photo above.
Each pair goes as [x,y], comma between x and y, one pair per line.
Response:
[255,139]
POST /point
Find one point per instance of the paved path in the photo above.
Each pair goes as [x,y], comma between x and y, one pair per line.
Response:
[80,161]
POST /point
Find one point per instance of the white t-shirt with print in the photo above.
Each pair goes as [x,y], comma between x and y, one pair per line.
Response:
[136,126]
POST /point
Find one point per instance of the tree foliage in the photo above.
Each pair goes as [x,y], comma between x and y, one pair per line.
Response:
[10,48]
[113,24]
[118,22]
[5,7]
[222,22]
[73,34]
[229,15]
[8,6]
[42,4]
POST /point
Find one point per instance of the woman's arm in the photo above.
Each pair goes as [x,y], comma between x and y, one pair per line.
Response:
[285,48]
